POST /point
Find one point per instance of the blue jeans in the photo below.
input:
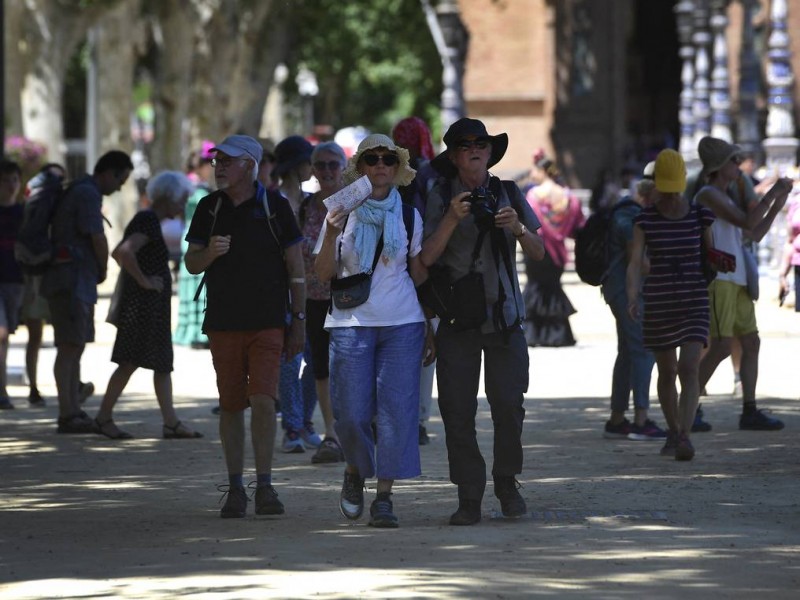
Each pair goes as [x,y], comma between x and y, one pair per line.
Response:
[374,375]
[634,364]
[298,393]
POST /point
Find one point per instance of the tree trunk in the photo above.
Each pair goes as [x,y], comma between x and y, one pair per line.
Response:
[177,23]
[117,36]
[59,27]
[16,56]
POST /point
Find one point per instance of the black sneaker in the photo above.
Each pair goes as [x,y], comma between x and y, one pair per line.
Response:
[35,399]
[380,512]
[684,450]
[511,502]
[424,440]
[699,425]
[620,431]
[267,502]
[235,505]
[468,513]
[351,501]
[5,404]
[759,420]
[80,423]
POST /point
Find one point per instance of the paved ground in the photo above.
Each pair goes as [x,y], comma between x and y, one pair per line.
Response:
[85,517]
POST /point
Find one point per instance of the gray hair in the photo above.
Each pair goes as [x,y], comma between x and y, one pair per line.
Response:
[169,186]
[645,186]
[331,147]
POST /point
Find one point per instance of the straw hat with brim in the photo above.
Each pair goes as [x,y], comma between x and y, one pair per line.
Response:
[670,172]
[472,129]
[240,146]
[715,153]
[290,153]
[405,174]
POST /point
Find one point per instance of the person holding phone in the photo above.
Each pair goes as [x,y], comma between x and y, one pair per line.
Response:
[733,314]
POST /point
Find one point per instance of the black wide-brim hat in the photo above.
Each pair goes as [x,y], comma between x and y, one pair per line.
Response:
[464,128]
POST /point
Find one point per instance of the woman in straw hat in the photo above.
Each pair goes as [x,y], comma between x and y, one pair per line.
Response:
[674,293]
[377,346]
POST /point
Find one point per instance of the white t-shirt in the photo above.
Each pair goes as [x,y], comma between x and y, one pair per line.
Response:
[392,298]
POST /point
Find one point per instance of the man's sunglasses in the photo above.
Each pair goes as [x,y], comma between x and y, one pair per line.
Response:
[332,165]
[388,159]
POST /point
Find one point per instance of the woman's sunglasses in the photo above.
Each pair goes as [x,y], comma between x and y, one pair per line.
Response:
[388,159]
[332,165]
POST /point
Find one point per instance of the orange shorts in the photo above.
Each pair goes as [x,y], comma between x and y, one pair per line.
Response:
[247,363]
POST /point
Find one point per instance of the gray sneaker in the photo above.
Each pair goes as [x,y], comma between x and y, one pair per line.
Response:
[351,501]
[381,512]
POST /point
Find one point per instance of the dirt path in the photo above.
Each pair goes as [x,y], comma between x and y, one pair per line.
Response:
[86,517]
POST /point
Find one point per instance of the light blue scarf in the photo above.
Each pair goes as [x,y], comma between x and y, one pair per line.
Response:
[376,217]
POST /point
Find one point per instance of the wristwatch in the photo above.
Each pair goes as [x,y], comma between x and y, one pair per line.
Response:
[300,316]
[522,231]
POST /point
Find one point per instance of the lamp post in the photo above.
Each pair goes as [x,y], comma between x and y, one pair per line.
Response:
[451,39]
[683,14]
[701,38]
[781,144]
[748,135]
[307,86]
[720,98]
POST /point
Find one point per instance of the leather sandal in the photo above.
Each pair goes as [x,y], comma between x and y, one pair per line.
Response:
[110,430]
[179,432]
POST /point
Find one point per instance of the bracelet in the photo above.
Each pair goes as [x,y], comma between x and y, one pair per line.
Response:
[297,280]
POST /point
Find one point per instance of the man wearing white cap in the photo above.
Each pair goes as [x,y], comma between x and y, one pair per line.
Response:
[246,240]
[732,310]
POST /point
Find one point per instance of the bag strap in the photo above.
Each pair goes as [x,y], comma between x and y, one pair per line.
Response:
[210,233]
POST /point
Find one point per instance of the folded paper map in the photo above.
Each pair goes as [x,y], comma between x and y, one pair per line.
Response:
[350,197]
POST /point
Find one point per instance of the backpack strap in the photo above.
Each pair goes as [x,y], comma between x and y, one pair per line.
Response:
[408,221]
[210,233]
[501,252]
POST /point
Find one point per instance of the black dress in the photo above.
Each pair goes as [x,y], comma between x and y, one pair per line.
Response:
[144,332]
[547,307]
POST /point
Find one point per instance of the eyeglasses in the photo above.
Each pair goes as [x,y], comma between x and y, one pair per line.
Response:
[480,144]
[331,165]
[224,162]
[388,159]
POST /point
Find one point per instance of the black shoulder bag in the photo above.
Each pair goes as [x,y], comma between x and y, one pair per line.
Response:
[352,291]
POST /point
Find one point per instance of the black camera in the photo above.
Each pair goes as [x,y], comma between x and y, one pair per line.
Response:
[482,203]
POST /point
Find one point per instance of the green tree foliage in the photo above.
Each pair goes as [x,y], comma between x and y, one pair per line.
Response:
[375,61]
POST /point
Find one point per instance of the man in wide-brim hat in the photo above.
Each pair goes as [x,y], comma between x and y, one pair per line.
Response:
[463,240]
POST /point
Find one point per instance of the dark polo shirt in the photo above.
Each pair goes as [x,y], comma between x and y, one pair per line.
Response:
[247,288]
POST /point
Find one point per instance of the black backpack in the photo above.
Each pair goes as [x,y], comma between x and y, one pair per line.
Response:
[591,245]
[34,250]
